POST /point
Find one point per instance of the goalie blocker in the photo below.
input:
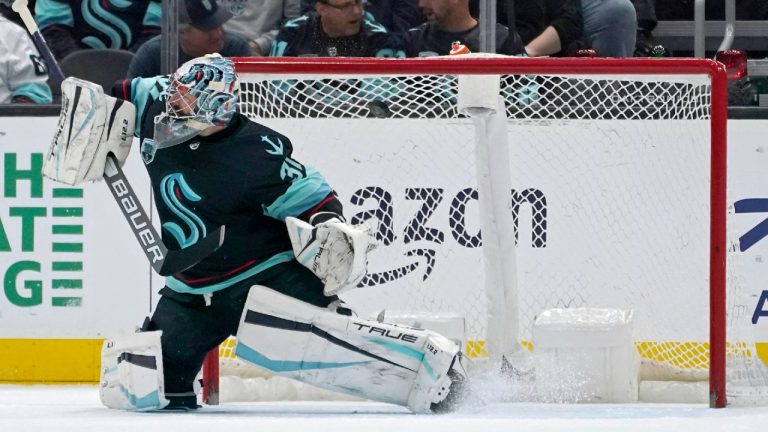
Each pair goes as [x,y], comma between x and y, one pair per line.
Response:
[91,126]
[419,369]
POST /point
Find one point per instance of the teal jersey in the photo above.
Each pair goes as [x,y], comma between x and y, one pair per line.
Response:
[304,36]
[243,177]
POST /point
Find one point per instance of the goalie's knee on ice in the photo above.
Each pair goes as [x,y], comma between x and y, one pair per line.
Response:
[132,372]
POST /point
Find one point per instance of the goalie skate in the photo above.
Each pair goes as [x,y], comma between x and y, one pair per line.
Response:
[457,388]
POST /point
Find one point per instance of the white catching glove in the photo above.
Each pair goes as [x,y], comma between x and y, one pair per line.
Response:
[91,125]
[335,251]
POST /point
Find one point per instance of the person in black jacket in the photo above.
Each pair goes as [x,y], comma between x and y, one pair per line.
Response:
[450,21]
[646,22]
[563,26]
[546,27]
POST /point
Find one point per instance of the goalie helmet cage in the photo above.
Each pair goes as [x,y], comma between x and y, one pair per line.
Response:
[617,165]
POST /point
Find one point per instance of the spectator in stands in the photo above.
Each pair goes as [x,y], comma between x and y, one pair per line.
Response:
[560,27]
[72,25]
[449,21]
[646,22]
[336,29]
[259,21]
[397,16]
[548,27]
[23,75]
[610,27]
[200,32]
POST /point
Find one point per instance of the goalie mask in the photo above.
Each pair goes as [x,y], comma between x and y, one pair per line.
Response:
[202,93]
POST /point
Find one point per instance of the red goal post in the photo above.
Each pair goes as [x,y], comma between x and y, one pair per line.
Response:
[288,71]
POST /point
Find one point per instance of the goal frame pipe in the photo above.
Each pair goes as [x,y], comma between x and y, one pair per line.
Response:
[574,66]
[211,375]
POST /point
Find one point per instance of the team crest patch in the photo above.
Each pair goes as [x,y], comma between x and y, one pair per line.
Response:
[148,149]
[332,51]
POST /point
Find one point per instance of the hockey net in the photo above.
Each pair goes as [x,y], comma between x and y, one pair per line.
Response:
[618,198]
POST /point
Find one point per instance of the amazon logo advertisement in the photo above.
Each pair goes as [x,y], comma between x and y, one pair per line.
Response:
[422,235]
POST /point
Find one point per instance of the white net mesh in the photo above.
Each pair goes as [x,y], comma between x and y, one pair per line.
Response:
[610,199]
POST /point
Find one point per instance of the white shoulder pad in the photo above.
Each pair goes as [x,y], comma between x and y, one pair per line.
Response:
[91,125]
[132,372]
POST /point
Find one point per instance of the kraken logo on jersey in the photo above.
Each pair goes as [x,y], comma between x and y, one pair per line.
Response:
[172,188]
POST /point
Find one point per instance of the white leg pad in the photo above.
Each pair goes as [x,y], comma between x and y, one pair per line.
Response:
[378,361]
[132,372]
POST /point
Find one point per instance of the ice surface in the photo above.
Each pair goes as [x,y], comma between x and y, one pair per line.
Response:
[77,408]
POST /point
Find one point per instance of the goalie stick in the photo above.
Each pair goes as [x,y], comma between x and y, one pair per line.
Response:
[163,260]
